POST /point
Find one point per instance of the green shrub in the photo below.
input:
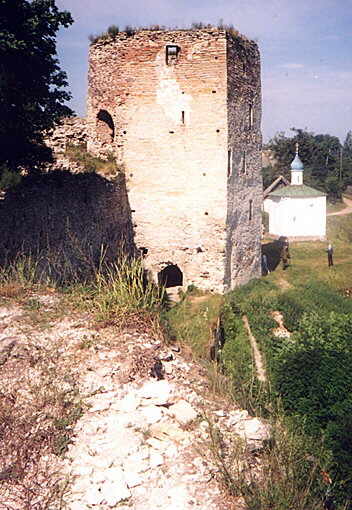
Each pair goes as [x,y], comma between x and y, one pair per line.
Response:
[313,374]
[8,179]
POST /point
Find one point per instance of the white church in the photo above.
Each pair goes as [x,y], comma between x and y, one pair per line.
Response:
[295,210]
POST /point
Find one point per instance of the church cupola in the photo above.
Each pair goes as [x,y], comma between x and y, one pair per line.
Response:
[297,170]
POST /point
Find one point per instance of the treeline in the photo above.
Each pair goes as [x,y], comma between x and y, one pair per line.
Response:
[327,162]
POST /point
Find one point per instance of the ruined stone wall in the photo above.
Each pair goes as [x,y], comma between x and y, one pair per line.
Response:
[71,131]
[64,221]
[244,198]
[172,122]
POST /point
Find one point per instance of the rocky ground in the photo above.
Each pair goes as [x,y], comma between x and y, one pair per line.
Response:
[142,441]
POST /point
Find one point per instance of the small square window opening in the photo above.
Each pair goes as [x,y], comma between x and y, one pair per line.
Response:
[244,162]
[172,52]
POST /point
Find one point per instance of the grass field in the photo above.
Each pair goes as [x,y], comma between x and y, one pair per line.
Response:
[309,259]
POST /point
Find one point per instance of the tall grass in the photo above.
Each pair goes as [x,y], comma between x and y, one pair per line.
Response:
[287,473]
[123,293]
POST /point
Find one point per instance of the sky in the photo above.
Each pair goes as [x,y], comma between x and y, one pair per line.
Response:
[306,51]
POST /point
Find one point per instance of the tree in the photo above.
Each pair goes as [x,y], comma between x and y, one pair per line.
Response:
[32,84]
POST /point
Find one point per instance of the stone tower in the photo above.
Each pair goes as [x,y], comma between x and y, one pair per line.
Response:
[181,109]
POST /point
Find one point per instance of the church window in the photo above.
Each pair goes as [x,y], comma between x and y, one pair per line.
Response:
[183,117]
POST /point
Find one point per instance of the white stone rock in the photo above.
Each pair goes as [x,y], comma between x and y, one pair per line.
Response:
[133,479]
[183,412]
[100,405]
[220,413]
[81,469]
[252,429]
[236,416]
[94,496]
[155,459]
[77,505]
[115,487]
[151,414]
[128,404]
[158,391]
[172,451]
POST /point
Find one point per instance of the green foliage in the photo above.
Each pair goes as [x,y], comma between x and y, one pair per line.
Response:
[122,290]
[265,221]
[8,179]
[312,296]
[193,320]
[313,374]
[79,154]
[236,359]
[291,467]
[130,31]
[32,84]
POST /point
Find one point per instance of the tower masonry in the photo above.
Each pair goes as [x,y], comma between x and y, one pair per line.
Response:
[181,110]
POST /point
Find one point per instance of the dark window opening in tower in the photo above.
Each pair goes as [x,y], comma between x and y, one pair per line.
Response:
[172,52]
[105,127]
[250,215]
[229,162]
[244,162]
[250,117]
[183,117]
[170,276]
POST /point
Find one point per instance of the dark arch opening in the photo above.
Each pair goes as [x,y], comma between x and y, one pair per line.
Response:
[170,276]
[105,127]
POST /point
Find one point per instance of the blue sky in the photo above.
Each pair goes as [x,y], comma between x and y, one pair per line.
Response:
[306,51]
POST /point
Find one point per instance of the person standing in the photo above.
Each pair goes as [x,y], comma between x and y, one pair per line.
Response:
[265,267]
[330,252]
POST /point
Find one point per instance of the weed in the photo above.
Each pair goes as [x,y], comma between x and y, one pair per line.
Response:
[193,321]
[287,473]
[39,405]
[107,167]
[32,305]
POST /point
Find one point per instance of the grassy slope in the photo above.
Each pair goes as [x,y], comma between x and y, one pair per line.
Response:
[309,260]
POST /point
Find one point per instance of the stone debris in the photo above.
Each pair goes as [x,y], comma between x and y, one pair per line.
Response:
[137,443]
[141,444]
[183,412]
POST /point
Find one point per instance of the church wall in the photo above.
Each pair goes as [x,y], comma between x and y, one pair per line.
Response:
[299,217]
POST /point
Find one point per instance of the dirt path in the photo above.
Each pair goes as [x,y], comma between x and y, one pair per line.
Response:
[346,210]
[258,360]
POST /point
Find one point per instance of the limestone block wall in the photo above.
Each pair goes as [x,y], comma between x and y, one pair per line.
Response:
[160,102]
[245,188]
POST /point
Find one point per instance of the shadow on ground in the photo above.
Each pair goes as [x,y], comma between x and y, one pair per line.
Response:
[272,251]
